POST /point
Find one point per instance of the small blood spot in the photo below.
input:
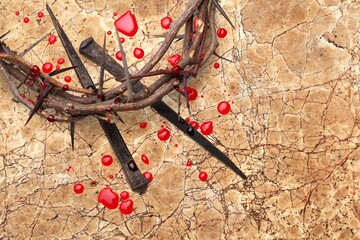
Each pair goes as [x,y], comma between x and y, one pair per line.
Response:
[203,176]
[189,163]
[61,61]
[148,176]
[174,59]
[221,32]
[223,107]
[145,159]
[166,22]
[17,13]
[163,134]
[51,118]
[143,124]
[216,65]
[26,20]
[65,87]
[139,53]
[107,160]
[108,198]
[40,14]
[79,188]
[206,127]
[67,79]
[118,55]
[109,32]
[47,67]
[126,207]
[126,24]
[194,124]
[124,195]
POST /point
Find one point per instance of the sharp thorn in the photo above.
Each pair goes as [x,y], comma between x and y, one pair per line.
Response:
[58,71]
[72,134]
[221,10]
[118,117]
[32,46]
[39,101]
[102,68]
[2,36]
[221,57]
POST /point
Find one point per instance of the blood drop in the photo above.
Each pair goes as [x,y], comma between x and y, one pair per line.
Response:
[223,107]
[126,24]
[163,134]
[107,160]
[206,127]
[79,188]
[126,207]
[108,198]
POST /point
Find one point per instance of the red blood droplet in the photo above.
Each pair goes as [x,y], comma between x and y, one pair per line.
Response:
[52,39]
[58,67]
[67,79]
[138,53]
[124,195]
[31,101]
[206,127]
[143,124]
[148,176]
[189,163]
[47,67]
[221,32]
[122,40]
[166,22]
[65,87]
[114,14]
[145,159]
[126,24]
[111,176]
[109,32]
[107,160]
[17,13]
[192,93]
[51,118]
[61,61]
[68,168]
[126,207]
[174,59]
[26,20]
[79,188]
[116,100]
[163,134]
[22,95]
[223,107]
[118,55]
[203,176]
[108,198]
[40,14]
[187,119]
[194,124]
[216,65]
[195,23]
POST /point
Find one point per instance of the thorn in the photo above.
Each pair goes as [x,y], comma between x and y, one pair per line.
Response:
[221,10]
[2,36]
[118,117]
[72,134]
[58,71]
[39,101]
[186,95]
[22,82]
[32,46]
[102,68]
[126,69]
[221,57]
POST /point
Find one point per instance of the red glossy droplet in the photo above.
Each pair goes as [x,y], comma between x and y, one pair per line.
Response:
[163,134]
[194,124]
[143,124]
[216,65]
[47,67]
[206,127]
[65,87]
[195,23]
[203,176]
[79,188]
[189,163]
[61,61]
[68,168]
[174,59]
[22,95]
[138,53]
[124,195]
[192,93]
[223,107]
[221,32]
[67,79]
[109,32]
[117,100]
[126,24]
[107,160]
[126,207]
[166,22]
[118,56]
[51,118]
[17,13]
[40,14]
[108,198]
[26,19]
[31,101]
[145,159]
[148,176]
[111,176]
[114,14]
[57,67]
[52,39]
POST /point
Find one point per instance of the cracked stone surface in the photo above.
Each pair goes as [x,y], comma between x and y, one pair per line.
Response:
[293,128]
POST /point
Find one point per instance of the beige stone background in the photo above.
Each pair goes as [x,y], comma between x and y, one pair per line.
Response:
[293,129]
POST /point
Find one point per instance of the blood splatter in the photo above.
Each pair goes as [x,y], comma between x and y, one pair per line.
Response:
[216,65]
[118,55]
[107,160]
[143,124]
[52,39]
[189,163]
[26,19]
[114,14]
[108,198]
[67,79]
[174,59]
[145,159]
[223,107]
[203,176]
[47,67]
[148,176]
[206,127]
[166,22]
[65,87]
[163,134]
[126,207]
[61,61]
[68,168]
[126,24]
[79,188]
[192,93]
[109,32]
[194,124]
[124,195]
[50,118]
[139,53]
[40,14]
[221,32]
[17,13]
